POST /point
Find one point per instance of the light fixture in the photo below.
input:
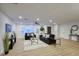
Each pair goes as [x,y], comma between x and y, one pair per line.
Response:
[50,21]
[20,17]
[37,19]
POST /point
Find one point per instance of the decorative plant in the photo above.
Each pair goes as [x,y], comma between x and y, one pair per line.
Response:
[42,29]
[6,43]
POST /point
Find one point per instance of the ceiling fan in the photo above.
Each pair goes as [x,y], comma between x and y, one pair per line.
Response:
[37,23]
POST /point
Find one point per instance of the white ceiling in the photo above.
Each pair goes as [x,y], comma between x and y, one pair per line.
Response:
[59,13]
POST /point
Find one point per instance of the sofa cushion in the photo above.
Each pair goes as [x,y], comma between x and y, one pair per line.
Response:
[47,35]
[44,35]
[52,36]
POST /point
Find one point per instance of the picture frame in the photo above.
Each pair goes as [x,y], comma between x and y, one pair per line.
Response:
[8,28]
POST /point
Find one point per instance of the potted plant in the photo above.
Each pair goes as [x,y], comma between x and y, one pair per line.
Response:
[42,30]
[6,43]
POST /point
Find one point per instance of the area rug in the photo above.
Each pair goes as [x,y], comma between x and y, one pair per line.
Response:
[29,46]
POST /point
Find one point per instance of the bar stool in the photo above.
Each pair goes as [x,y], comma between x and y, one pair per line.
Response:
[58,41]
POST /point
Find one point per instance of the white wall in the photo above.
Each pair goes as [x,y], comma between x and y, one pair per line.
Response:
[65,29]
[55,30]
[19,28]
[3,20]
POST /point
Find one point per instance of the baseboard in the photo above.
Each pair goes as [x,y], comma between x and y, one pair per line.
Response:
[67,39]
[63,38]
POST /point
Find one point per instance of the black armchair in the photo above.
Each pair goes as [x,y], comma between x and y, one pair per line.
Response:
[12,41]
[49,40]
[27,37]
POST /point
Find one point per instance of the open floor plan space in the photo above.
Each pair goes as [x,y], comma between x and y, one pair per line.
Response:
[39,29]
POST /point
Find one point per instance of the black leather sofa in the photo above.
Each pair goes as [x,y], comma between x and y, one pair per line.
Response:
[49,40]
[12,41]
[28,36]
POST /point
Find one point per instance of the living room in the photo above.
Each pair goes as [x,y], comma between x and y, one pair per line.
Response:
[40,27]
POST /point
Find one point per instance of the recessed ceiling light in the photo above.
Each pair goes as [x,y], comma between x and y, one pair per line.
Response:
[20,17]
[37,19]
[50,21]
